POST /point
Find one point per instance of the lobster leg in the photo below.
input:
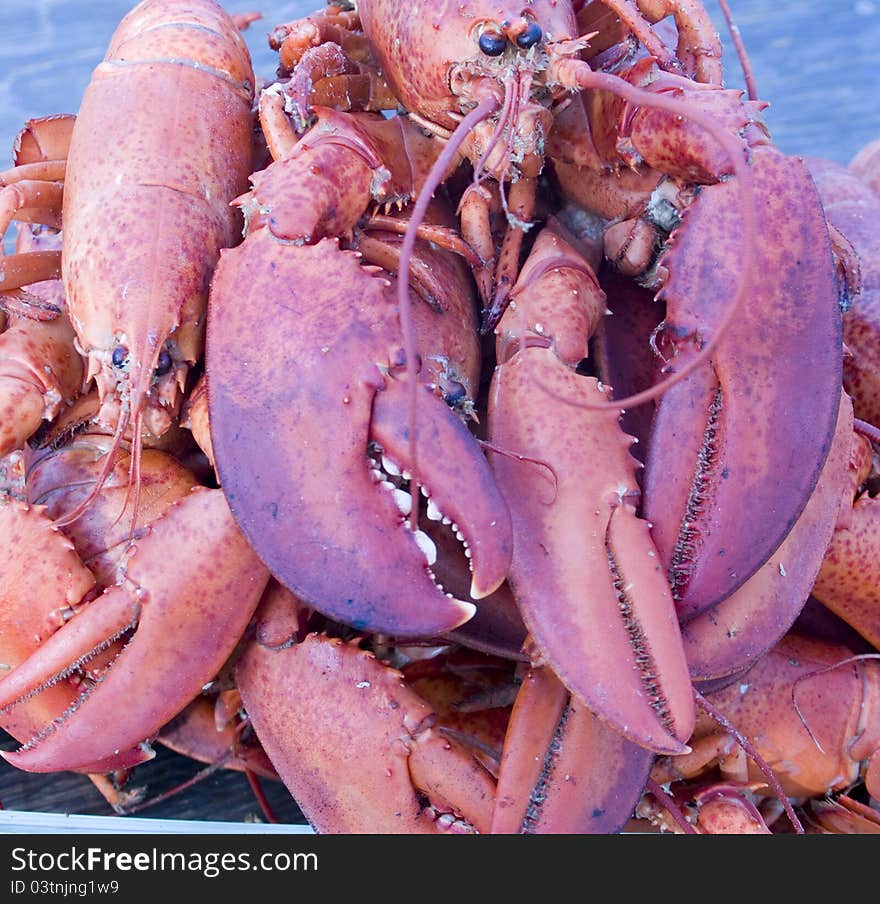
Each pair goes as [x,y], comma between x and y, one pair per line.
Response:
[585,573]
[194,733]
[331,65]
[32,191]
[45,139]
[699,47]
[40,372]
[28,267]
[32,201]
[333,26]
[190,588]
[521,206]
[843,816]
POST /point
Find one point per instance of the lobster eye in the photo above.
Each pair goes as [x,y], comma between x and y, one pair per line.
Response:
[454,392]
[492,43]
[530,36]
[119,356]
[164,364]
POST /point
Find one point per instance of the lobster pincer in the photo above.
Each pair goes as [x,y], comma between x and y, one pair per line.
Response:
[357,747]
[312,426]
[52,583]
[586,574]
[497,86]
[168,590]
[782,354]
[292,434]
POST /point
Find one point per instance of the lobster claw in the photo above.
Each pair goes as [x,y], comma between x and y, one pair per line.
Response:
[189,589]
[564,770]
[734,634]
[357,748]
[292,434]
[756,425]
[585,572]
[35,594]
[810,709]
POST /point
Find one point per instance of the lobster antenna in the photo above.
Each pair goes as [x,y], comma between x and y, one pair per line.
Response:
[866,429]
[484,109]
[740,47]
[579,73]
[815,673]
[103,475]
[518,456]
[134,477]
[260,795]
[760,762]
[200,776]
[672,808]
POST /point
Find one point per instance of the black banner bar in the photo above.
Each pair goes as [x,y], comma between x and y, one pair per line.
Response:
[112,867]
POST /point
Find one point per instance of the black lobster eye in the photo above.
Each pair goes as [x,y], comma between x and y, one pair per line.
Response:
[164,363]
[530,36]
[492,43]
[454,392]
[119,356]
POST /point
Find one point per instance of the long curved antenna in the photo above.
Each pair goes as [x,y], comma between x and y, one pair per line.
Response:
[101,479]
[760,762]
[484,109]
[740,47]
[578,73]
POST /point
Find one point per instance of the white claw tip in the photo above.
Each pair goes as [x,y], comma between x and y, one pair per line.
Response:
[468,609]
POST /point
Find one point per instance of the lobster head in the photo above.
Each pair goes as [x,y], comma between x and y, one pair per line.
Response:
[487,49]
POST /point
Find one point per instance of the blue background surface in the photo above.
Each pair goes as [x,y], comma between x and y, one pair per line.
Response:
[816,61]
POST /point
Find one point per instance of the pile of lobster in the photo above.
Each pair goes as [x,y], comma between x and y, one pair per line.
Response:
[472,428]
